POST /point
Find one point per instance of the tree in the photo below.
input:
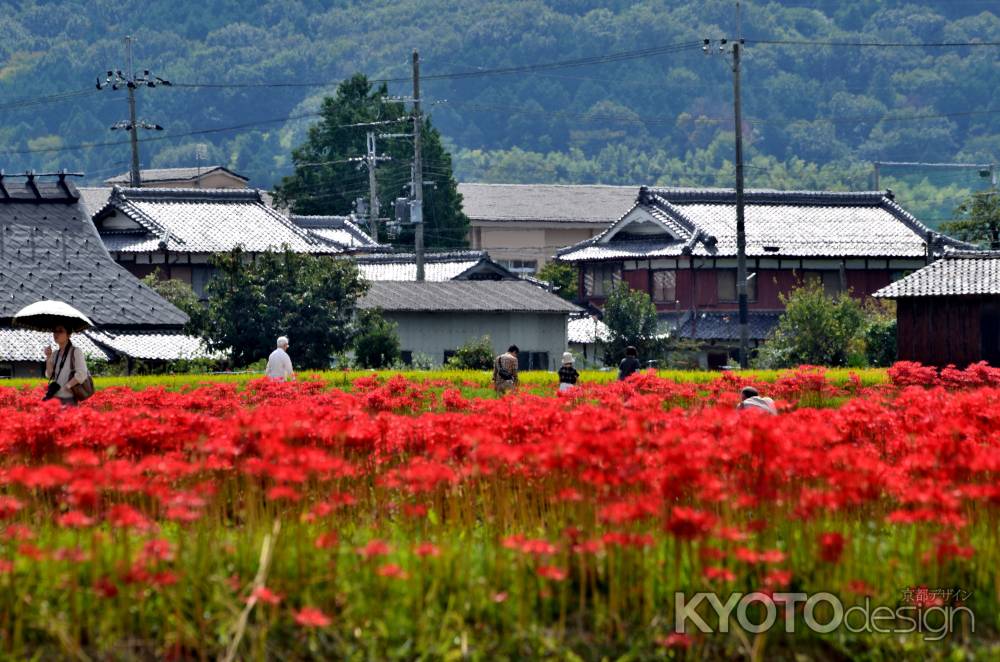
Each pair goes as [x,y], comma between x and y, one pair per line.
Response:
[308,298]
[181,295]
[562,275]
[981,222]
[815,329]
[377,342]
[326,179]
[632,319]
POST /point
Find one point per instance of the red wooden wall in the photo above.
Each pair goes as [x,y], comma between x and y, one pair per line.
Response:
[939,330]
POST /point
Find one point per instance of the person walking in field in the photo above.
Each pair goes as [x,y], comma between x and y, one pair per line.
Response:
[505,371]
[568,375]
[279,364]
[750,398]
[64,369]
[629,364]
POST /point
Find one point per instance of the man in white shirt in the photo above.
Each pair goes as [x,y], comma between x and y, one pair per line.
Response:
[279,364]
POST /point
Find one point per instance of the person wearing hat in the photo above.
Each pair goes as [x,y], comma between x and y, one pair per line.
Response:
[279,364]
[567,373]
[750,398]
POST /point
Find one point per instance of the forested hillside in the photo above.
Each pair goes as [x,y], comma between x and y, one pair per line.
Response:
[247,76]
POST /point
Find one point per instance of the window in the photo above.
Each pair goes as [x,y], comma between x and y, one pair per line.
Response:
[830,280]
[406,356]
[665,286]
[6,371]
[520,266]
[726,280]
[532,360]
[600,279]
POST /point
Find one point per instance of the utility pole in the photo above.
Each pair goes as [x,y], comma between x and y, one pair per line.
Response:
[735,49]
[417,211]
[370,161]
[116,79]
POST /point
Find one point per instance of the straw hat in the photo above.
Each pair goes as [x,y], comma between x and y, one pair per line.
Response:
[568,358]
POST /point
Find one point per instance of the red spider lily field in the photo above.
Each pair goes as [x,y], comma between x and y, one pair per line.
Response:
[398,519]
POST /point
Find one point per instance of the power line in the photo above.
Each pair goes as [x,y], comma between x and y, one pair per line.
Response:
[875,44]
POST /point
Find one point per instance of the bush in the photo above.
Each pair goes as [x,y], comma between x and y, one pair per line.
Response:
[377,343]
[631,317]
[473,355]
[563,276]
[880,341]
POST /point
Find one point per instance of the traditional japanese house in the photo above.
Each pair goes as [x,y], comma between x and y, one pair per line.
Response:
[679,245]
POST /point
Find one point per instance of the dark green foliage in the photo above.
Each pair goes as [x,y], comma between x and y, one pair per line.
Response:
[377,342]
[325,180]
[181,295]
[308,298]
[817,329]
[477,354]
[564,276]
[654,120]
[979,220]
[631,317]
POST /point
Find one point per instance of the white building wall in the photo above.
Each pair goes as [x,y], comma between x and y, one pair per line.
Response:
[434,333]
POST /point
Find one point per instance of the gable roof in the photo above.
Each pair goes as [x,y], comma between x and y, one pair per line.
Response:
[339,230]
[778,224]
[193,220]
[49,249]
[505,296]
[596,204]
[454,265]
[958,273]
[725,325]
[587,330]
[159,175]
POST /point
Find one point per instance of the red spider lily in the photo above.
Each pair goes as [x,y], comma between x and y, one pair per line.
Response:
[689,524]
[426,549]
[326,540]
[391,570]
[122,516]
[310,617]
[283,493]
[713,573]
[265,595]
[552,572]
[676,640]
[375,548]
[74,519]
[9,506]
[831,546]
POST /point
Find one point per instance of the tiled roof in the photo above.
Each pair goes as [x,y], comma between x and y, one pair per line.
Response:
[94,198]
[171,174]
[718,325]
[778,224]
[26,345]
[587,331]
[49,249]
[194,220]
[437,266]
[958,273]
[597,204]
[153,346]
[505,296]
[338,230]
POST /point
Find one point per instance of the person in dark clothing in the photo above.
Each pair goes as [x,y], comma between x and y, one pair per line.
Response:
[567,373]
[629,364]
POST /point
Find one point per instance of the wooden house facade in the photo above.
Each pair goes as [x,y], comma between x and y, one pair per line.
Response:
[679,246]
[949,312]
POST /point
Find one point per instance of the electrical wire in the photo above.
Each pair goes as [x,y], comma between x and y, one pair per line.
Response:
[874,44]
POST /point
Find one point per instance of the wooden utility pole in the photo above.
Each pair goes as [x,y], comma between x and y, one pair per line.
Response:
[741,232]
[417,210]
[134,177]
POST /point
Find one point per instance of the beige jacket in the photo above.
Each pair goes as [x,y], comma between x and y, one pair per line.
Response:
[65,373]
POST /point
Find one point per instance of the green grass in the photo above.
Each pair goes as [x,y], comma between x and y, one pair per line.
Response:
[459,378]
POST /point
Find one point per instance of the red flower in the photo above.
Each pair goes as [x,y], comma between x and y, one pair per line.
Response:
[265,595]
[375,548]
[74,519]
[675,640]
[310,617]
[552,572]
[688,523]
[9,506]
[326,540]
[391,570]
[831,546]
[427,549]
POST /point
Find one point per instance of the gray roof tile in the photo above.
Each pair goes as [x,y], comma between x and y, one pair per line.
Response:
[155,175]
[594,203]
[958,273]
[506,296]
[341,231]
[26,345]
[778,223]
[49,249]
[724,325]
[437,266]
[202,221]
[153,346]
